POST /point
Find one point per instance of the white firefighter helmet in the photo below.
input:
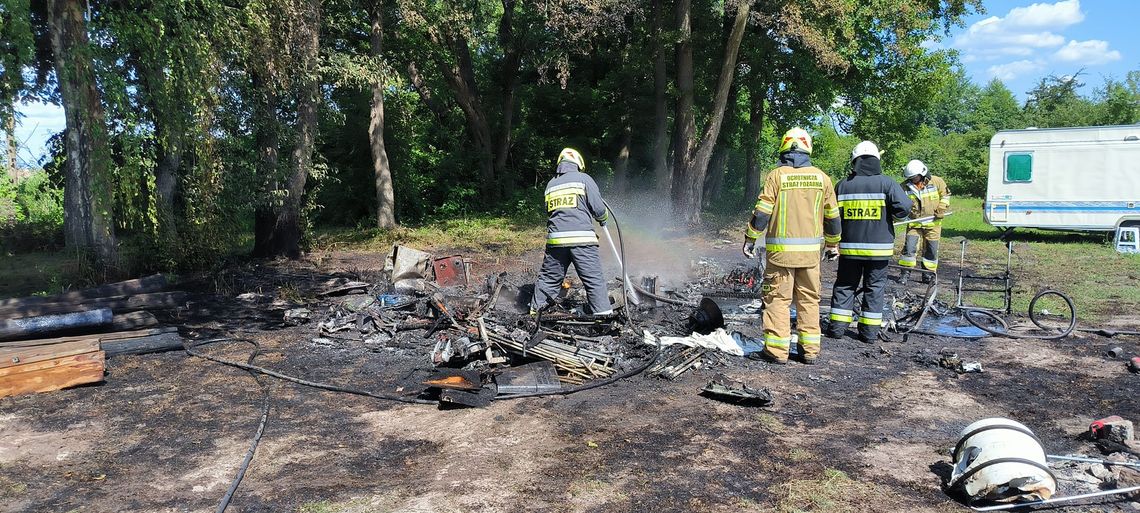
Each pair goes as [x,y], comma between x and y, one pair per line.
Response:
[865,149]
[914,168]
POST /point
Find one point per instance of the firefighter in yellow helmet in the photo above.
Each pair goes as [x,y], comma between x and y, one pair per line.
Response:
[795,218]
[573,203]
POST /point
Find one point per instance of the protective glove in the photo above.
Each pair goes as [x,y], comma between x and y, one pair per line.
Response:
[831,253]
[749,249]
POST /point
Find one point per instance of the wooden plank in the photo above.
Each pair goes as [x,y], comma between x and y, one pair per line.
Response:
[132,321]
[117,303]
[17,356]
[52,374]
[143,345]
[153,283]
[119,335]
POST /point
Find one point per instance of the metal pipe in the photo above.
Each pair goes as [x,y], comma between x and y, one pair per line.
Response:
[1057,500]
[29,327]
[1092,460]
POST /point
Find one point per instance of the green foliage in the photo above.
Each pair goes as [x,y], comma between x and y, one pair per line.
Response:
[31,213]
[207,93]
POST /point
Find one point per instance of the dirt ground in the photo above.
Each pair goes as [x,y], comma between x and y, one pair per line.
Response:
[866,430]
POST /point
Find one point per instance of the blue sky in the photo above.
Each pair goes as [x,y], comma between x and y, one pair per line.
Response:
[1016,41]
[1019,41]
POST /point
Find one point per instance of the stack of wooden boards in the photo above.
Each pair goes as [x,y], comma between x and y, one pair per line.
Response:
[98,323]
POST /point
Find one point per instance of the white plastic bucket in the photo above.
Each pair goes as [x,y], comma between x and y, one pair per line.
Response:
[1001,460]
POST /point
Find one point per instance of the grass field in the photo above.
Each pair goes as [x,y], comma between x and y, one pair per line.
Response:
[1101,281]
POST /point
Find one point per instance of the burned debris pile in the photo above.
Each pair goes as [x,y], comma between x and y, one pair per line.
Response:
[86,327]
[482,341]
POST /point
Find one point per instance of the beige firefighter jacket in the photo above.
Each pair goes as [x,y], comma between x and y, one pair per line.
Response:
[931,199]
[795,215]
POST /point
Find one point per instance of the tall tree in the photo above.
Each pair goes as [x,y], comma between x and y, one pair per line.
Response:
[88,223]
[660,155]
[16,52]
[385,194]
[757,94]
[488,110]
[997,108]
[278,229]
[692,156]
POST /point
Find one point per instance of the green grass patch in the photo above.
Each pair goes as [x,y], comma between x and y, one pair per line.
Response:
[494,235]
[38,273]
[1101,281]
[831,491]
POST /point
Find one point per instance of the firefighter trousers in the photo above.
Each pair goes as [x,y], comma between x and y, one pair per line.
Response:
[930,236]
[588,265]
[782,286]
[856,275]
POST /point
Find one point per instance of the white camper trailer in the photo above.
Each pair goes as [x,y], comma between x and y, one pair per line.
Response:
[1085,179]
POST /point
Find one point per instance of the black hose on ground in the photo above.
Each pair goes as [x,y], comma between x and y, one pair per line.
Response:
[225,501]
[323,386]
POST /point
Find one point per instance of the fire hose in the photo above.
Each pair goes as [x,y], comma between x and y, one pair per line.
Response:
[255,370]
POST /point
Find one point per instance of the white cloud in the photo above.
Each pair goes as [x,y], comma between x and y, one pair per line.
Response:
[1091,52]
[1010,71]
[1021,32]
[1042,16]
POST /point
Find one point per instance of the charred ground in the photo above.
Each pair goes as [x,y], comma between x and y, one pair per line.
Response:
[867,429]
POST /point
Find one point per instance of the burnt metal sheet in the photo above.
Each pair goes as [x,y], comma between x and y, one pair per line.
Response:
[476,399]
[450,271]
[529,378]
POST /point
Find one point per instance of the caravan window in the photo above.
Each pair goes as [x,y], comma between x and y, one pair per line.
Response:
[1018,167]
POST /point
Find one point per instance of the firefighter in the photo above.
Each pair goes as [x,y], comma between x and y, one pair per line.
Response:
[869,203]
[931,197]
[573,202]
[795,217]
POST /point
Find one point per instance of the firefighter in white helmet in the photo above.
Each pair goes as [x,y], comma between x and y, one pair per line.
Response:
[931,198]
[869,203]
[795,219]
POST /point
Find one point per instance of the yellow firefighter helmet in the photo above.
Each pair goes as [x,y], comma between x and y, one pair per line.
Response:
[572,155]
[796,139]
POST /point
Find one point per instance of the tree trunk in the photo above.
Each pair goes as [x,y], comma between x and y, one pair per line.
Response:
[385,195]
[689,171]
[660,114]
[621,163]
[460,78]
[280,230]
[88,222]
[13,166]
[684,120]
[755,129]
[166,181]
[424,92]
[510,83]
[714,180]
[267,142]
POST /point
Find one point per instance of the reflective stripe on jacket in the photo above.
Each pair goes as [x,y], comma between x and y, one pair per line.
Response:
[795,214]
[573,202]
[932,200]
[869,204]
